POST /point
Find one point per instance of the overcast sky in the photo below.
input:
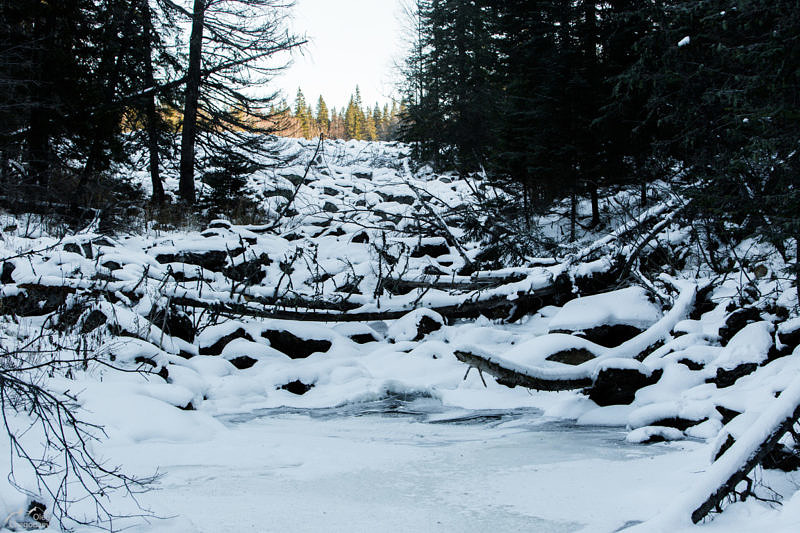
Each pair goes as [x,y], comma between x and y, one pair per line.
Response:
[350,42]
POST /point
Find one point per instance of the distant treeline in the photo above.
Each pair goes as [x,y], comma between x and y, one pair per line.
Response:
[355,121]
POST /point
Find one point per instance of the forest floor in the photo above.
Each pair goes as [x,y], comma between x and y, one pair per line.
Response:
[308,374]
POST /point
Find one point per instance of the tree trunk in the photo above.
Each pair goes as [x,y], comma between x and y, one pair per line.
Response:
[151,116]
[573,216]
[595,204]
[189,135]
[644,193]
[39,145]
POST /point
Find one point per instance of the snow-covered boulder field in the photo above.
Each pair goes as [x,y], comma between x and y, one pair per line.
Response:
[369,289]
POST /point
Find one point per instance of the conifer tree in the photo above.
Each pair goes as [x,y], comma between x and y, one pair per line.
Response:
[323,118]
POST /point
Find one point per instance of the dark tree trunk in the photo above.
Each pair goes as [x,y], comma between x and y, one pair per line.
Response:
[39,145]
[573,216]
[595,205]
[644,193]
[151,115]
[189,136]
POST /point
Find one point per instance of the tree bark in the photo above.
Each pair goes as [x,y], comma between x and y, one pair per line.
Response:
[595,204]
[189,135]
[573,216]
[151,116]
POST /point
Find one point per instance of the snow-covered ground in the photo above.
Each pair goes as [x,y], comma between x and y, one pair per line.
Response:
[272,422]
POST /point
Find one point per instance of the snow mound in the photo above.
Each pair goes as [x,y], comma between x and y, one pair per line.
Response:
[628,307]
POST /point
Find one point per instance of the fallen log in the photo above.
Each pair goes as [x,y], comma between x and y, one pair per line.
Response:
[580,376]
[750,450]
[731,468]
[512,378]
[302,309]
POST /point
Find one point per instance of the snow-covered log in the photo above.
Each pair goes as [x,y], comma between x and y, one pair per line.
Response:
[733,466]
[549,376]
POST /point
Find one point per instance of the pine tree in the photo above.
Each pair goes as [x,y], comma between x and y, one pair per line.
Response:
[323,118]
[228,45]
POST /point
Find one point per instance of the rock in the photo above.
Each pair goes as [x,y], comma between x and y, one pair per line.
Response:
[294,346]
[727,414]
[217,347]
[729,441]
[608,336]
[177,323]
[36,301]
[213,260]
[653,434]
[362,175]
[250,271]
[111,265]
[297,387]
[297,179]
[8,269]
[72,248]
[361,238]
[415,325]
[703,302]
[692,365]
[618,386]
[432,250]
[782,458]
[330,191]
[676,422]
[788,336]
[431,270]
[219,224]
[572,357]
[736,321]
[243,362]
[726,378]
[608,319]
[93,320]
[330,207]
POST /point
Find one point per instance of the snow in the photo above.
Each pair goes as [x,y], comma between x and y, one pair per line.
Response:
[630,307]
[679,512]
[683,42]
[393,435]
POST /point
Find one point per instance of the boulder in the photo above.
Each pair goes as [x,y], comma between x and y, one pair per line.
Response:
[176,323]
[736,321]
[726,378]
[608,319]
[434,249]
[243,362]
[294,346]
[618,386]
[297,387]
[92,321]
[219,344]
[213,260]
[249,271]
[415,325]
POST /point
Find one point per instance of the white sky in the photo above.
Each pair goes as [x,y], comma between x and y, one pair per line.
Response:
[351,42]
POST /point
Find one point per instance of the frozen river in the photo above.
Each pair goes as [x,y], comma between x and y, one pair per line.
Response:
[396,465]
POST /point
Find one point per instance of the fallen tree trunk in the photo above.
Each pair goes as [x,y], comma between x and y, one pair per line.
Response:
[720,480]
[733,466]
[512,378]
[295,307]
[632,349]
